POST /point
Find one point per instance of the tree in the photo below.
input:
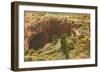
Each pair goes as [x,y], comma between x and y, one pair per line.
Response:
[65,45]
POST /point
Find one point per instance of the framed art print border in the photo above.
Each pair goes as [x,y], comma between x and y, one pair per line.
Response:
[14,35]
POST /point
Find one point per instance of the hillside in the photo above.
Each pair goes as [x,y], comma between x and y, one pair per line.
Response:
[56,36]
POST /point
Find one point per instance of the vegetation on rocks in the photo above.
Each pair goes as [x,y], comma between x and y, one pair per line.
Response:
[56,36]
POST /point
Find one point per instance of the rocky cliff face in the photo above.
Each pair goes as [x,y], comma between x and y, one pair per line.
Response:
[43,31]
[40,31]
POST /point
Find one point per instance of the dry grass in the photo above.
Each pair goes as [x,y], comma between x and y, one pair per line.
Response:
[79,40]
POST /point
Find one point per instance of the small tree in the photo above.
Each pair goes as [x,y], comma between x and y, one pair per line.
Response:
[65,45]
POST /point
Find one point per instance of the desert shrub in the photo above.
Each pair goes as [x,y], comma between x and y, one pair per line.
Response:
[71,47]
[64,45]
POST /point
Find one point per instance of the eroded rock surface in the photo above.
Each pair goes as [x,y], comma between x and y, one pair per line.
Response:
[40,31]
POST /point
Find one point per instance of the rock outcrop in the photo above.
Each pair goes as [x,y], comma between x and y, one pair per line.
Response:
[40,31]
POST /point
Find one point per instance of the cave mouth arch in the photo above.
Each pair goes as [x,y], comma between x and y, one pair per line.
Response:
[39,40]
[36,41]
[44,32]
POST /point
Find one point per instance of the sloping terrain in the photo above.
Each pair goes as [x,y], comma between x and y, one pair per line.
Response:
[56,36]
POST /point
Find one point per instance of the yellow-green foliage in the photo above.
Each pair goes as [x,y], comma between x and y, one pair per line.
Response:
[74,46]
